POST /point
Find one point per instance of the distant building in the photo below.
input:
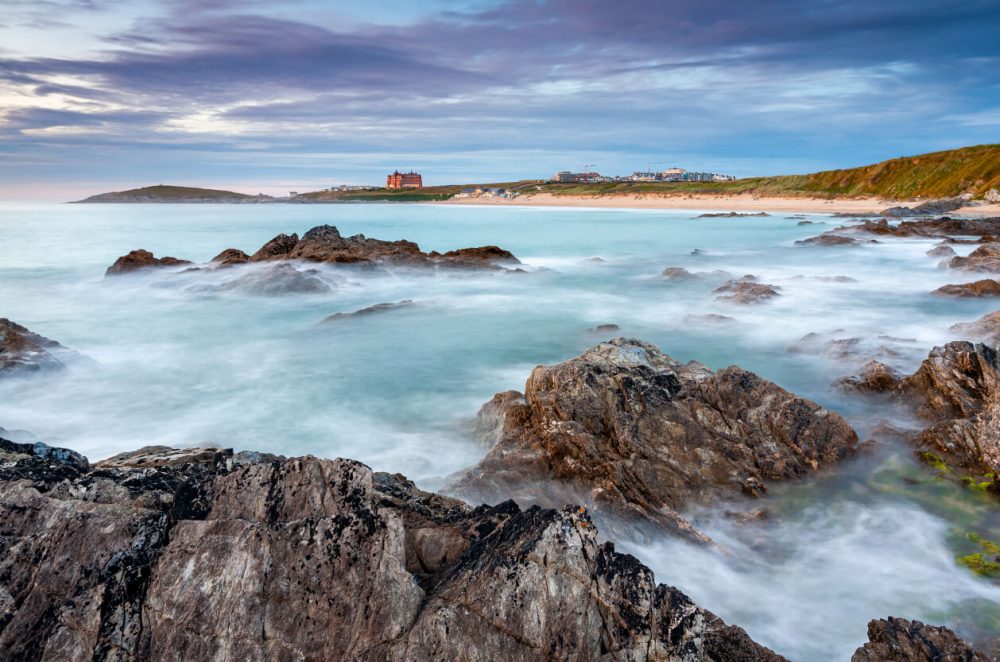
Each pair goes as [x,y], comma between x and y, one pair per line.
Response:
[565,176]
[404,180]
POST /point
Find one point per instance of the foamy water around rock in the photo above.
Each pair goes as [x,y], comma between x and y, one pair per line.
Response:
[179,360]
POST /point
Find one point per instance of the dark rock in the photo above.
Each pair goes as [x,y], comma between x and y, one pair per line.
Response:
[941,250]
[986,329]
[278,247]
[638,436]
[141,259]
[276,280]
[980,288]
[680,273]
[605,328]
[230,256]
[875,377]
[370,310]
[11,451]
[745,291]
[23,351]
[731,214]
[828,240]
[928,208]
[900,640]
[148,557]
[937,227]
[477,255]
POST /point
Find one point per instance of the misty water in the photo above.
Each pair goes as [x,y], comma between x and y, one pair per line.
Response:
[171,360]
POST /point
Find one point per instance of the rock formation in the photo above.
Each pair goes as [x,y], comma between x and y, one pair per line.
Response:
[276,280]
[985,258]
[637,436]
[22,351]
[141,259]
[745,291]
[941,250]
[987,287]
[900,640]
[928,208]
[937,227]
[370,310]
[324,243]
[205,554]
[828,239]
[986,329]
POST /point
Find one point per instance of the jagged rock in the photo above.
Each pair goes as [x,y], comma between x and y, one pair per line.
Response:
[11,451]
[941,250]
[900,640]
[745,291]
[984,258]
[828,240]
[371,310]
[637,436]
[479,254]
[986,287]
[23,351]
[875,376]
[986,329]
[956,392]
[936,227]
[276,280]
[230,256]
[928,208]
[141,259]
[278,247]
[149,557]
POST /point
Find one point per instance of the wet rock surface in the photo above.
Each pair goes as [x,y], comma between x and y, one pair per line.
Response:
[139,260]
[928,208]
[198,554]
[900,640]
[230,256]
[636,436]
[744,291]
[370,310]
[987,287]
[23,351]
[828,240]
[986,329]
[276,280]
[985,258]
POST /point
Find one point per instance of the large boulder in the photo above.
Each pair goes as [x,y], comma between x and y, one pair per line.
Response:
[638,436]
[900,640]
[202,554]
[985,258]
[141,259]
[23,351]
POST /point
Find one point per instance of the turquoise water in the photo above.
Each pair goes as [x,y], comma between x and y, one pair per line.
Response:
[176,363]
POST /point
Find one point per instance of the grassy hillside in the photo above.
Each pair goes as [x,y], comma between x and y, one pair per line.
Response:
[973,170]
[169,194]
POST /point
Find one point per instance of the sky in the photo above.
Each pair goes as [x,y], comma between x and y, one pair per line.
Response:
[278,95]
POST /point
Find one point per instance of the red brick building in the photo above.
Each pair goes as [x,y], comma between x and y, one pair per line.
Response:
[404,180]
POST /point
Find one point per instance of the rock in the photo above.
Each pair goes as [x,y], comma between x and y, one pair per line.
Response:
[314,559]
[370,310]
[605,328]
[680,273]
[141,259]
[745,291]
[828,240]
[710,318]
[23,351]
[930,207]
[984,258]
[11,451]
[278,247]
[956,393]
[937,227]
[230,256]
[478,255]
[637,436]
[276,280]
[677,273]
[986,329]
[900,640]
[731,214]
[941,250]
[875,377]
[980,288]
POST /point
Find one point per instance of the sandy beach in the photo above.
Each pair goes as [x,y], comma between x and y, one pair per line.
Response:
[747,203]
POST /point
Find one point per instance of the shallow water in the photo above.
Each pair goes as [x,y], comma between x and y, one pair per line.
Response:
[177,363]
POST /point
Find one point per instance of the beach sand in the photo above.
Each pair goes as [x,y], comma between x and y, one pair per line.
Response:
[738,203]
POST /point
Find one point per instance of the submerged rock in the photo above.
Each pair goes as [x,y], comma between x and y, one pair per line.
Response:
[371,310]
[733,214]
[828,240]
[680,273]
[986,329]
[745,291]
[141,259]
[941,250]
[986,287]
[23,351]
[638,436]
[276,280]
[202,557]
[605,328]
[900,640]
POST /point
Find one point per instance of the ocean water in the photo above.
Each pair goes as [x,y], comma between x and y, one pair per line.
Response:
[174,361]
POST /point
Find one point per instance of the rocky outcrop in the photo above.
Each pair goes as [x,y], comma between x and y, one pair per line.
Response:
[637,436]
[745,291]
[900,640]
[986,329]
[928,208]
[23,351]
[935,227]
[987,287]
[324,243]
[985,258]
[276,280]
[205,554]
[828,239]
[370,310]
[941,250]
[956,393]
[141,259]
[680,273]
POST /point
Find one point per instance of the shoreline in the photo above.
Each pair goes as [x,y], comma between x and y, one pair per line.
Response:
[695,202]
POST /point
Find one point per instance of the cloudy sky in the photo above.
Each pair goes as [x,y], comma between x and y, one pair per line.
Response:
[300,94]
